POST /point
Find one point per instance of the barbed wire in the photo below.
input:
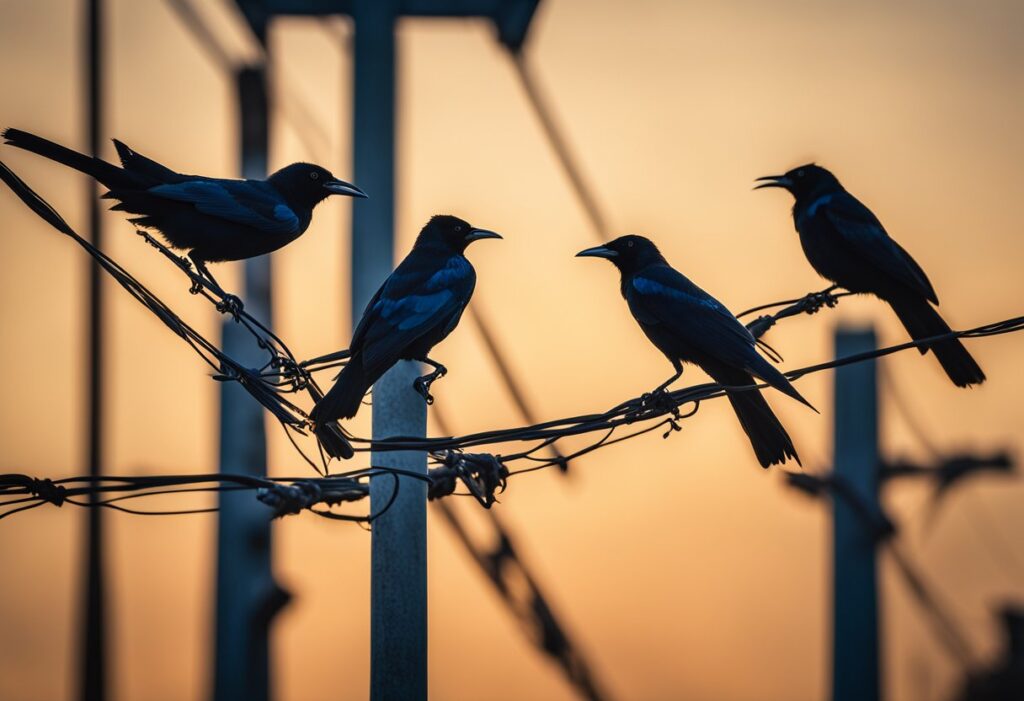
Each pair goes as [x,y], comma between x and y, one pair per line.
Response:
[283,374]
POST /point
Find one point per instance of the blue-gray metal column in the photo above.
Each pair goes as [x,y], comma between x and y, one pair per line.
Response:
[855,647]
[247,595]
[398,588]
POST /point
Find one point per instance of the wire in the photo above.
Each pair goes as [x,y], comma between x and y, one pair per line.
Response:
[298,112]
[560,145]
[946,629]
[283,374]
[314,138]
[909,417]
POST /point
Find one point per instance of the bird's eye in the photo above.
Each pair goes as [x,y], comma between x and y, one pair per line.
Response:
[629,243]
[314,175]
[458,227]
[799,174]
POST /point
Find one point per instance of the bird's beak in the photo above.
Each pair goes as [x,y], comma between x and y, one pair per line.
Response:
[774,181]
[477,234]
[340,187]
[597,252]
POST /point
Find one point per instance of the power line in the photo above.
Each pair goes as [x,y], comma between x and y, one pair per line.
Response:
[312,135]
[283,374]
[560,145]
[504,567]
[298,111]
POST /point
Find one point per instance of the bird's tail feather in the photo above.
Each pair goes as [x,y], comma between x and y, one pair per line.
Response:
[343,399]
[333,440]
[109,175]
[922,321]
[765,371]
[772,445]
[341,402]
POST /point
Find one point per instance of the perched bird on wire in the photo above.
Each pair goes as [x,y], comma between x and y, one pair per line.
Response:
[213,219]
[690,326]
[845,243]
[415,309]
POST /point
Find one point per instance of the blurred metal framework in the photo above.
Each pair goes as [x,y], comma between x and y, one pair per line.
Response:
[862,528]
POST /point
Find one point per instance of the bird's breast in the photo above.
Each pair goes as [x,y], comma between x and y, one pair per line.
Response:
[457,270]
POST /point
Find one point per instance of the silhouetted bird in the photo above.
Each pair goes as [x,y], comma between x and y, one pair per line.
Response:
[215,220]
[689,325]
[847,244]
[416,308]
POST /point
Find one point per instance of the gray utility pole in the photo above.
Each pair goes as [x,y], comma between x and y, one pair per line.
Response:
[398,628]
[855,648]
[247,595]
[93,640]
[398,586]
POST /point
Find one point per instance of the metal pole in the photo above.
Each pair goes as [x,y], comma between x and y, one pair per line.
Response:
[398,588]
[855,649]
[247,595]
[93,635]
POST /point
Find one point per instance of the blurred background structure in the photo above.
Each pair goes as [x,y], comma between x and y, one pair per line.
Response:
[681,568]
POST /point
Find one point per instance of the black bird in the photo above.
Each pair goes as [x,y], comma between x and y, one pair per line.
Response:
[213,219]
[689,325]
[847,244]
[416,308]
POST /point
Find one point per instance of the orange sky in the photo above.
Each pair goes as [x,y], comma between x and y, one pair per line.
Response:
[682,568]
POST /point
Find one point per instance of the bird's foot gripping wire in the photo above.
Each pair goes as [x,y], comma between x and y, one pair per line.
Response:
[230,304]
[654,403]
[422,384]
[815,301]
[484,475]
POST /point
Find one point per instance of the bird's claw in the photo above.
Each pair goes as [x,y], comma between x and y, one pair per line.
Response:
[657,399]
[230,304]
[422,387]
[653,403]
[817,300]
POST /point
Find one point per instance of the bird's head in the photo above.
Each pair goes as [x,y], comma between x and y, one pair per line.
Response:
[306,185]
[451,233]
[628,253]
[806,181]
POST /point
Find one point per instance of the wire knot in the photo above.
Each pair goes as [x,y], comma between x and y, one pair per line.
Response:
[286,499]
[482,473]
[46,490]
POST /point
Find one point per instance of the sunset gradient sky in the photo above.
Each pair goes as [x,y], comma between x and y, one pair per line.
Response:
[681,567]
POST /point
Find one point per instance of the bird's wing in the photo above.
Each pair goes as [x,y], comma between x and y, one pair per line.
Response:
[239,201]
[418,298]
[664,297]
[867,238]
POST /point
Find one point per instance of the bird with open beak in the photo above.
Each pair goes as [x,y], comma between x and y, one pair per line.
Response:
[847,244]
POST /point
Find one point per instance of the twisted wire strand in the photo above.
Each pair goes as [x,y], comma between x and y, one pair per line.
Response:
[283,374]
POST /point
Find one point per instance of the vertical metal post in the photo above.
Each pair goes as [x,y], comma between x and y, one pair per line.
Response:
[93,657]
[398,589]
[855,649]
[247,595]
